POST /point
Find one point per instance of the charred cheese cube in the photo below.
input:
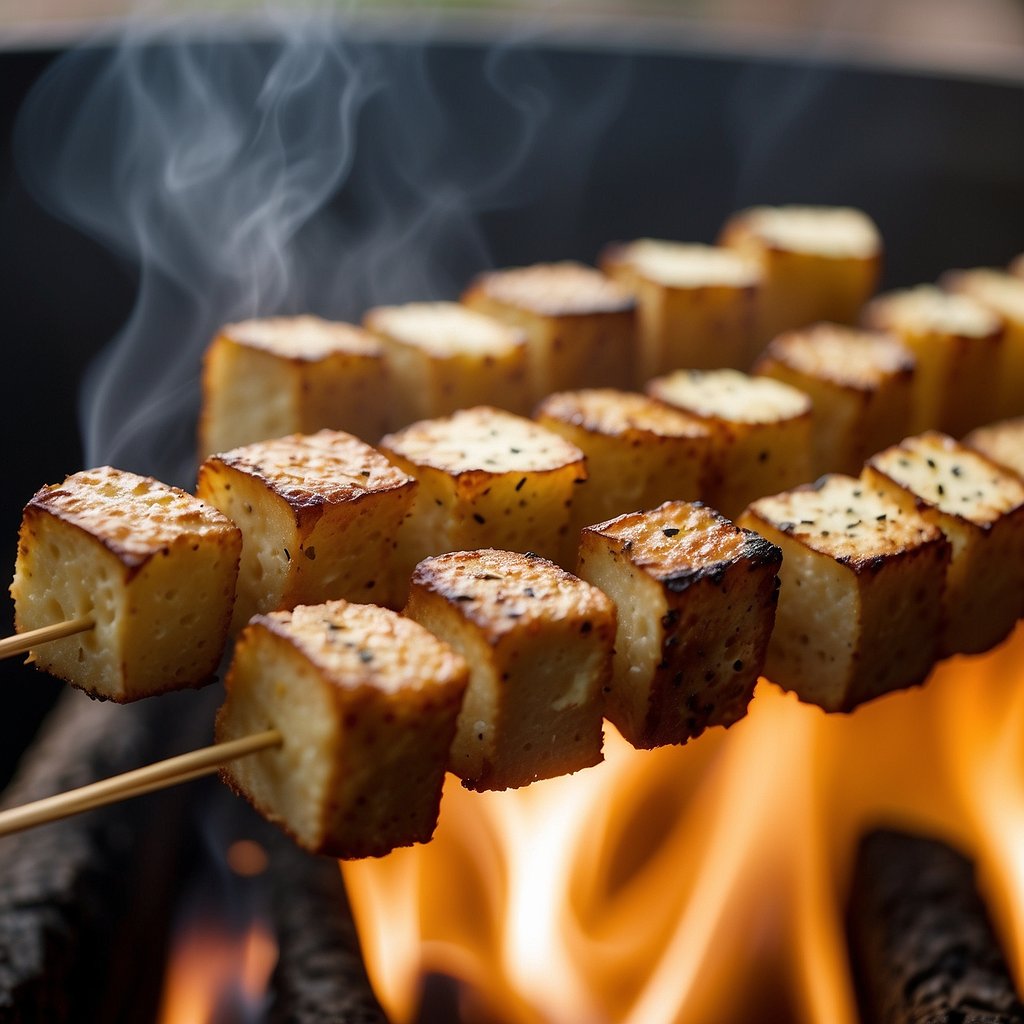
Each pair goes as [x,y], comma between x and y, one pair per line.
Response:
[860,385]
[980,509]
[366,704]
[153,567]
[580,324]
[695,303]
[1003,294]
[444,357]
[1001,442]
[487,479]
[319,515]
[291,375]
[639,452]
[695,597]
[817,262]
[539,645]
[958,347]
[860,608]
[761,430]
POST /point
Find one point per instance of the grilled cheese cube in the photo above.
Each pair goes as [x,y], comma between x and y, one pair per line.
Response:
[288,375]
[639,452]
[580,324]
[152,566]
[1001,442]
[695,303]
[1003,294]
[980,509]
[696,601]
[818,263]
[486,479]
[444,357]
[539,645]
[761,431]
[862,583]
[860,385]
[957,345]
[319,515]
[366,703]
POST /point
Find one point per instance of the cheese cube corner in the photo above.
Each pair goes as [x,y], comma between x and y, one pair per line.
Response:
[1002,442]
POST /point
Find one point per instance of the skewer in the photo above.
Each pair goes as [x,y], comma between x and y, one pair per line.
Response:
[21,643]
[161,775]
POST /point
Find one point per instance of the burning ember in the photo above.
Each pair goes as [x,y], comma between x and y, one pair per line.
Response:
[705,882]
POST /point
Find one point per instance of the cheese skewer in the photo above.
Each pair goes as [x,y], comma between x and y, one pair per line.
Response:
[22,643]
[160,775]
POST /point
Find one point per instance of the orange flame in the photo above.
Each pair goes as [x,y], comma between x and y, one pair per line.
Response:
[705,882]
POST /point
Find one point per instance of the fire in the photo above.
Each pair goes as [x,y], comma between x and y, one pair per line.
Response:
[703,883]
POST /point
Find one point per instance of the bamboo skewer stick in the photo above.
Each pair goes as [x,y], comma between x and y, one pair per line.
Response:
[161,775]
[21,643]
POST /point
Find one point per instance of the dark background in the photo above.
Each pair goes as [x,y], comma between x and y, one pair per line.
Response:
[689,137]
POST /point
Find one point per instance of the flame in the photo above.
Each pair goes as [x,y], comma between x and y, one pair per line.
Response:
[705,882]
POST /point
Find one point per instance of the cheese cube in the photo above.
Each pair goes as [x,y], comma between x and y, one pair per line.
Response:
[761,430]
[980,509]
[1002,442]
[860,385]
[487,479]
[639,452]
[860,608]
[366,704]
[580,325]
[1017,265]
[539,645]
[958,347]
[1003,294]
[443,357]
[696,601]
[319,516]
[695,303]
[288,375]
[817,262]
[152,566]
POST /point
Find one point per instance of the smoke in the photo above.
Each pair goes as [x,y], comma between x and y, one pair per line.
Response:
[304,170]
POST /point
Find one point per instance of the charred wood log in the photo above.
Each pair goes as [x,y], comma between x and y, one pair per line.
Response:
[923,948]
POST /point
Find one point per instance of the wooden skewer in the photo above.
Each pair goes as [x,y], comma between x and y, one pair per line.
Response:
[21,643]
[160,775]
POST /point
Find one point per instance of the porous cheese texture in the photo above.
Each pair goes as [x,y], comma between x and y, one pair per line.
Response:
[730,396]
[927,309]
[980,508]
[152,566]
[556,289]
[840,232]
[860,385]
[685,265]
[695,597]
[639,452]
[308,338]
[319,514]
[1002,442]
[366,704]
[862,583]
[539,644]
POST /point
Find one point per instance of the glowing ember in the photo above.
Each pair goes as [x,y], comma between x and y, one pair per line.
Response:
[707,882]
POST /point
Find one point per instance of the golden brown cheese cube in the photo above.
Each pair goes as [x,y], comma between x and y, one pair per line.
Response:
[980,509]
[366,704]
[153,567]
[443,357]
[487,479]
[639,452]
[957,345]
[860,608]
[319,515]
[818,263]
[539,645]
[580,324]
[1003,294]
[695,303]
[695,597]
[1002,442]
[291,375]
[761,430]
[860,383]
